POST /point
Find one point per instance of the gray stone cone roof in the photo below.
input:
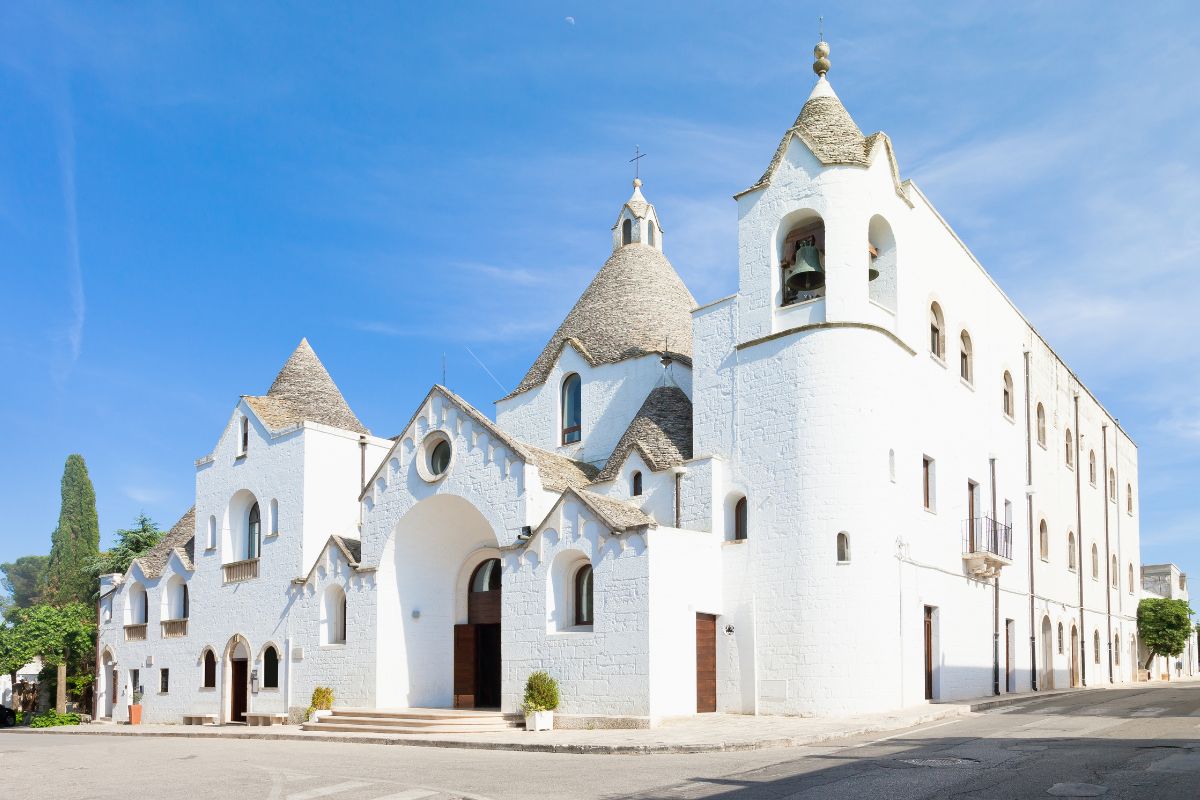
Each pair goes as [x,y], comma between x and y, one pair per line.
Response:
[303,390]
[637,304]
[661,431]
[181,538]
[618,515]
[352,547]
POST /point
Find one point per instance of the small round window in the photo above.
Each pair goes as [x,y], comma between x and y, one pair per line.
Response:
[439,457]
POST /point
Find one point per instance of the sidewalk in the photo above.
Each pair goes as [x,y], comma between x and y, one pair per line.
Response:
[701,734]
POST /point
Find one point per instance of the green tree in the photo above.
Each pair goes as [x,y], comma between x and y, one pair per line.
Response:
[131,543]
[1163,627]
[75,543]
[24,579]
[60,635]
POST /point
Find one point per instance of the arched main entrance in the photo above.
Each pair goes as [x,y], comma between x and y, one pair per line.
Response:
[477,642]
[1047,654]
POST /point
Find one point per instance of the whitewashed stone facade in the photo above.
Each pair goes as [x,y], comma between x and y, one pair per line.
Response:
[846,411]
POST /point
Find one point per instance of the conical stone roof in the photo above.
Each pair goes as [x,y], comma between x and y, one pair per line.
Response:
[303,390]
[636,305]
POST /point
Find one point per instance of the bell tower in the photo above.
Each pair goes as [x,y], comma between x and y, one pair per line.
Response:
[637,224]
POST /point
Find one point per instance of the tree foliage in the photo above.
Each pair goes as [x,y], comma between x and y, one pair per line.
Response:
[24,579]
[75,543]
[131,543]
[1163,626]
[51,632]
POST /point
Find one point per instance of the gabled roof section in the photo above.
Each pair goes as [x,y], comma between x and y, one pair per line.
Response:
[303,390]
[661,432]
[351,550]
[618,515]
[636,305]
[558,473]
[181,539]
[830,133]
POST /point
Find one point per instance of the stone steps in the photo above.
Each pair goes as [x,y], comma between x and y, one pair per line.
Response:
[414,721]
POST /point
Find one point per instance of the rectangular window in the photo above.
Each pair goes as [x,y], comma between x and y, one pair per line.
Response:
[135,680]
[164,680]
[927,482]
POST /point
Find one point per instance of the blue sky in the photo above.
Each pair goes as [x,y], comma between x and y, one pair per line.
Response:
[188,189]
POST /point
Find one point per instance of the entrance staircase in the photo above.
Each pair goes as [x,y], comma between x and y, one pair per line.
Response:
[421,721]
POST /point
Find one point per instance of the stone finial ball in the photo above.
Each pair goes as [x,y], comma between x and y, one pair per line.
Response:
[821,66]
[821,50]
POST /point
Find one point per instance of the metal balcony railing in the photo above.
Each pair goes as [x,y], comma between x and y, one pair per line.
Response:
[986,535]
[241,570]
[135,633]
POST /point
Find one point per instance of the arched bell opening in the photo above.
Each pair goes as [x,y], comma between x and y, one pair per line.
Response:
[881,274]
[801,257]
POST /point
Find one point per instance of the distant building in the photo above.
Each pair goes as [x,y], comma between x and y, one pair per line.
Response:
[1166,580]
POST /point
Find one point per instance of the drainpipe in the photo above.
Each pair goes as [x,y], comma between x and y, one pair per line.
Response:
[1079,543]
[1029,527]
[1108,576]
[995,590]
[679,472]
[362,471]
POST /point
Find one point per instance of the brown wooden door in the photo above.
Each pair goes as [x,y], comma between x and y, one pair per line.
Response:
[464,666]
[706,663]
[928,652]
[237,688]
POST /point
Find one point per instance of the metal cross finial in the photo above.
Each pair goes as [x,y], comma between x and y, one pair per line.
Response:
[638,155]
[821,28]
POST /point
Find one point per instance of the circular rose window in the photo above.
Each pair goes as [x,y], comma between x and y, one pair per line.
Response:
[439,457]
[435,456]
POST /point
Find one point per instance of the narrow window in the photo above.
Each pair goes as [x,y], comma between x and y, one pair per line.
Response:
[1112,484]
[1008,394]
[572,409]
[245,439]
[135,679]
[1060,639]
[1070,451]
[1117,649]
[927,482]
[1044,541]
[1096,646]
[253,532]
[892,465]
[274,516]
[210,670]
[627,231]
[108,609]
[1129,498]
[1071,551]
[184,601]
[937,334]
[1095,563]
[740,520]
[164,680]
[333,616]
[843,548]
[1041,424]
[637,484]
[965,366]
[1092,466]
[212,533]
[650,232]
[341,620]
[1131,578]
[1116,573]
[270,669]
[583,595]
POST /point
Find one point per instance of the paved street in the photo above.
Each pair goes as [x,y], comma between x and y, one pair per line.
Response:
[1127,743]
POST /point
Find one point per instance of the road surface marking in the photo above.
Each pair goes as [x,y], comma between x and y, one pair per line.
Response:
[1150,712]
[322,791]
[408,794]
[901,733]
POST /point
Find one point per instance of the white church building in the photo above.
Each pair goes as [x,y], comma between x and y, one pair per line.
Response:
[862,482]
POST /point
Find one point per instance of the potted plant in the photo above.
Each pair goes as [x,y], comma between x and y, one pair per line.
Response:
[322,702]
[135,708]
[541,698]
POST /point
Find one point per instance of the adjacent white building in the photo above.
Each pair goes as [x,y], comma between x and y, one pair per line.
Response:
[862,482]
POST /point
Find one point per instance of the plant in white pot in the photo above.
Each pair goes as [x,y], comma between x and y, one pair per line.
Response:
[541,698]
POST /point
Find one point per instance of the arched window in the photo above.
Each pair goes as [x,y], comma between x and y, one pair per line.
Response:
[274,529]
[1060,639]
[253,532]
[1116,573]
[572,409]
[1112,484]
[137,605]
[1096,646]
[486,577]
[636,488]
[966,368]
[1044,541]
[244,440]
[650,232]
[1008,394]
[1131,578]
[627,231]
[740,520]
[1092,466]
[1095,563]
[843,548]
[1070,450]
[333,615]
[270,668]
[186,602]
[583,595]
[1129,498]
[210,670]
[937,332]
[882,274]
[1041,424]
[1071,550]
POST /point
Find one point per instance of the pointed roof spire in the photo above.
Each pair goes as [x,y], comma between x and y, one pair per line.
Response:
[637,202]
[303,390]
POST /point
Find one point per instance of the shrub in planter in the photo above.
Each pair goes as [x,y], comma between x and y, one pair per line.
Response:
[322,700]
[135,708]
[541,699]
[52,719]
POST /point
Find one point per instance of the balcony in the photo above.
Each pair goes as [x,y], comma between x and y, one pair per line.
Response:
[135,633]
[987,546]
[240,571]
[174,628]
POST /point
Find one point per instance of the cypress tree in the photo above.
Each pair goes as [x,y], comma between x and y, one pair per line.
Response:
[75,543]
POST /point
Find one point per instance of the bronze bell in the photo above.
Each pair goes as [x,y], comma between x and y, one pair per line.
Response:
[806,273]
[872,273]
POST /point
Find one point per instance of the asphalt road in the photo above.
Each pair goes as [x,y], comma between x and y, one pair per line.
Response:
[1129,743]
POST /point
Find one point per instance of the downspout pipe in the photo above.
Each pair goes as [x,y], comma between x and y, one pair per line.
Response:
[995,593]
[1108,576]
[1033,681]
[1079,545]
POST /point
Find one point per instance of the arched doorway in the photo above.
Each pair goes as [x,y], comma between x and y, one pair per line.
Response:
[1074,660]
[236,692]
[477,643]
[109,681]
[1047,654]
